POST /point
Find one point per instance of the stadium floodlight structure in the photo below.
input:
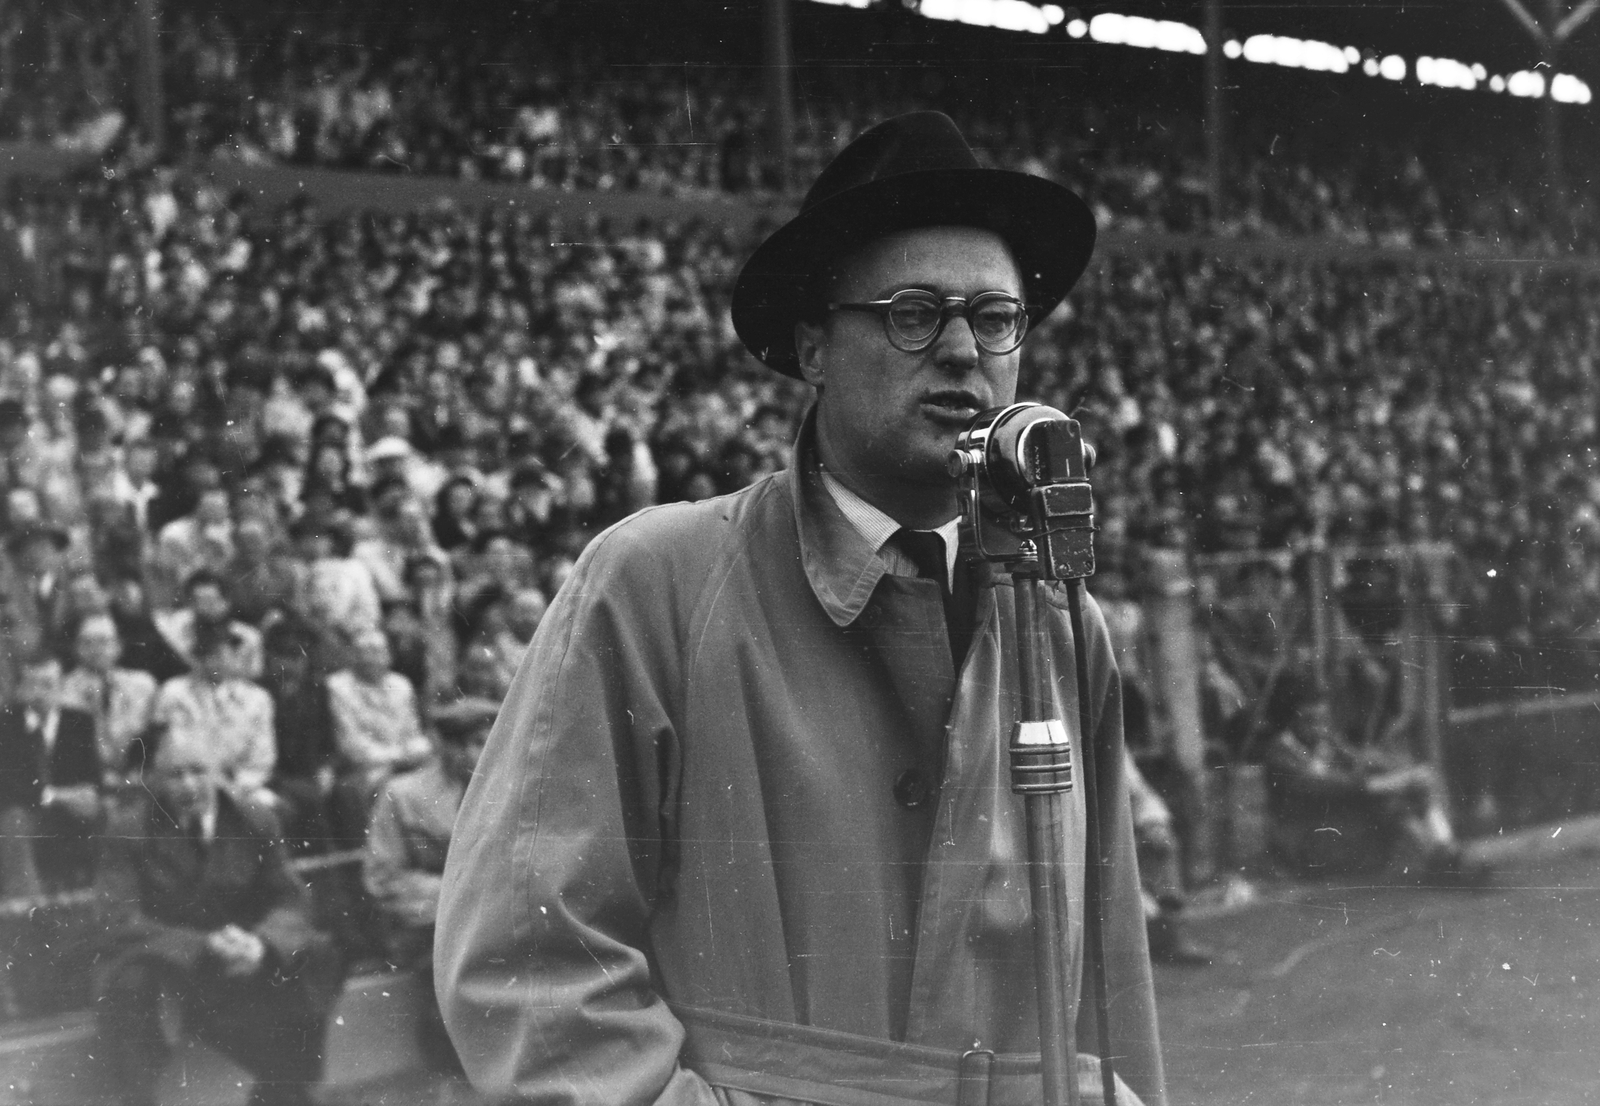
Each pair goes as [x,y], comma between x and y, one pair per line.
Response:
[1552,34]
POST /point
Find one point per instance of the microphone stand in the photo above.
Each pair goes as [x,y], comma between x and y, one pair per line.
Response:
[1026,504]
[1042,773]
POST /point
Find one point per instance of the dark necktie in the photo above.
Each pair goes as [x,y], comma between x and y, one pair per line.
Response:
[925,548]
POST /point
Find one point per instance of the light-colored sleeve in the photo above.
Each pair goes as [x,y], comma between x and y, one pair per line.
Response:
[261,746]
[350,725]
[539,954]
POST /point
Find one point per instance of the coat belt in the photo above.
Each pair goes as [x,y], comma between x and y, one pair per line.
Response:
[830,1068]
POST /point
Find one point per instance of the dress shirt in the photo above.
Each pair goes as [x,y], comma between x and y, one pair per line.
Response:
[878,528]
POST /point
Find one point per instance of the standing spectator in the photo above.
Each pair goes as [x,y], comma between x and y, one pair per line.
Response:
[226,719]
[49,785]
[199,902]
[120,700]
[407,842]
[302,719]
[376,729]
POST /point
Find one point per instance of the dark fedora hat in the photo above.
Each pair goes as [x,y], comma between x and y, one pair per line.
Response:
[911,171]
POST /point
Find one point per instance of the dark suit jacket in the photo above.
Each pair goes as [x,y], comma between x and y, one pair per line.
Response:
[24,768]
[160,894]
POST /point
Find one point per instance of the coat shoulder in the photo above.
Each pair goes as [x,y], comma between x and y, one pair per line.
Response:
[686,541]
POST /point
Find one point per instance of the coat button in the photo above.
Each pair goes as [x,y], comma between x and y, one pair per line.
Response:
[911,788]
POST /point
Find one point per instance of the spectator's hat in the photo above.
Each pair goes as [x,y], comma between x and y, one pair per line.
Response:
[465,719]
[29,532]
[911,171]
[391,448]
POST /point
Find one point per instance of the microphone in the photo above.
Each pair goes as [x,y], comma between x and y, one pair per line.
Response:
[1025,497]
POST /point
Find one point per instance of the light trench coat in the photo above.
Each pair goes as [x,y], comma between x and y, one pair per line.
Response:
[684,872]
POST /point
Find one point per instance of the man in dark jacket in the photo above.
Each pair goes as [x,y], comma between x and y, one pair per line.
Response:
[198,900]
[49,786]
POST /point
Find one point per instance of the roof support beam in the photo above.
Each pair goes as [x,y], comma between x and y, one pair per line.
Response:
[1575,19]
[1527,19]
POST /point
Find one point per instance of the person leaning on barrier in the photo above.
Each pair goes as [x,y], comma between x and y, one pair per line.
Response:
[743,831]
[197,900]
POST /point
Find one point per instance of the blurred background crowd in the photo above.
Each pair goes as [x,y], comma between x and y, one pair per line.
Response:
[297,485]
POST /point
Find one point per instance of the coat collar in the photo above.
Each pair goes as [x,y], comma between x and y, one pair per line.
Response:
[841,565]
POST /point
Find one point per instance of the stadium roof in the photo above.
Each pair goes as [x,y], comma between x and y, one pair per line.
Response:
[1470,31]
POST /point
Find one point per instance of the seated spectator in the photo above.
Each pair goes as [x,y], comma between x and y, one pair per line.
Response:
[340,599]
[404,534]
[120,700]
[407,842]
[1160,876]
[35,590]
[226,718]
[302,720]
[454,514]
[143,646]
[262,577]
[329,475]
[199,540]
[198,902]
[376,729]
[1340,808]
[524,613]
[208,608]
[49,786]
[480,673]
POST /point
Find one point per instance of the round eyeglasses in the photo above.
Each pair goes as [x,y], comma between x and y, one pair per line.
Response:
[913,319]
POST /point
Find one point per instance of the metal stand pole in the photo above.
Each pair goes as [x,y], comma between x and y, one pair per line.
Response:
[1041,772]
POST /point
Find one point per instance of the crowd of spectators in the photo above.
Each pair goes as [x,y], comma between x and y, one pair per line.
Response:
[580,98]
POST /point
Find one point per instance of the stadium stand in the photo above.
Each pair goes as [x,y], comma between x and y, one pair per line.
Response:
[421,411]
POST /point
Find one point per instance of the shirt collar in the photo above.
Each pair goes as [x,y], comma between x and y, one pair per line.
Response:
[841,562]
[878,528]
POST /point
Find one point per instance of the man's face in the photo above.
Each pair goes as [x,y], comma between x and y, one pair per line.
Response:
[887,419]
[185,782]
[208,603]
[372,654]
[213,507]
[98,645]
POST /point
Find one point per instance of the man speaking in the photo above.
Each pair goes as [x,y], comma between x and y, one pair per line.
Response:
[743,831]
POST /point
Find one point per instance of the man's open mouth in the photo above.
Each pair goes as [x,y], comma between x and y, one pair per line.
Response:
[952,404]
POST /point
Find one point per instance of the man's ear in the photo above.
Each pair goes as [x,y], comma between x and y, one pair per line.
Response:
[808,347]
